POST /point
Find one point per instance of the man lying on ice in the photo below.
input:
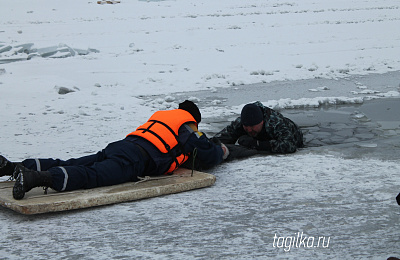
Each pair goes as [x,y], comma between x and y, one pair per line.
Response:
[157,147]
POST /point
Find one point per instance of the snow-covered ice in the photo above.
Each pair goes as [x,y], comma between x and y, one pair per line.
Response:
[76,75]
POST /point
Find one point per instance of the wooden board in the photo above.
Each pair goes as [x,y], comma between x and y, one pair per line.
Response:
[36,202]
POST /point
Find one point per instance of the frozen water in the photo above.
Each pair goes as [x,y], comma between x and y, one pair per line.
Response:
[26,52]
[345,194]
[297,94]
[320,63]
[237,218]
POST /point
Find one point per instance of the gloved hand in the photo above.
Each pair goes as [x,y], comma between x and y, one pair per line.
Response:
[247,141]
[250,142]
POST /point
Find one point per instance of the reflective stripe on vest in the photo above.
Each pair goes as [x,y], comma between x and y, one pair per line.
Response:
[162,131]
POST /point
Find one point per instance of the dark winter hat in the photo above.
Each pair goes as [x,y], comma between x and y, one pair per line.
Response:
[192,108]
[251,115]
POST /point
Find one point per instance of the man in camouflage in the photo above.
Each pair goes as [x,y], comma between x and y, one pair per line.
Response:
[263,129]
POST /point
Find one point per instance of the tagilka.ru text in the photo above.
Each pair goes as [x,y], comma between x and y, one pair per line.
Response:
[300,240]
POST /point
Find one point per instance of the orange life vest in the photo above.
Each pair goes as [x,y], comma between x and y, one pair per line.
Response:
[162,131]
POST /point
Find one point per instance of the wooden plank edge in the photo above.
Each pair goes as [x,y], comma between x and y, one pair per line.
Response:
[123,196]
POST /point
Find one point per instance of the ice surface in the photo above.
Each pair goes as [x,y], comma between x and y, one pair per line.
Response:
[26,52]
[350,201]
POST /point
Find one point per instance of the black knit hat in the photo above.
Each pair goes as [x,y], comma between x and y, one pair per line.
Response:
[251,115]
[192,108]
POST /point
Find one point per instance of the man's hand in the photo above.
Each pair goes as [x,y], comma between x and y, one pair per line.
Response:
[247,141]
[226,151]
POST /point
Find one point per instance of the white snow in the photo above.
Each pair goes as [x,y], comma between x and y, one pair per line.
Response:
[72,74]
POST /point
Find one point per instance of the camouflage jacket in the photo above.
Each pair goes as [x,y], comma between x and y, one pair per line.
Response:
[283,135]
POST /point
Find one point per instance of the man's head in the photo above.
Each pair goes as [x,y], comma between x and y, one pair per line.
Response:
[192,108]
[252,119]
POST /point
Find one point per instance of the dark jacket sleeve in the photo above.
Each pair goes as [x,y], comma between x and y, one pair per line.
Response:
[231,133]
[208,153]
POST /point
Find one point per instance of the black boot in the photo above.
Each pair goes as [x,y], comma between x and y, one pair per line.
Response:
[6,167]
[27,179]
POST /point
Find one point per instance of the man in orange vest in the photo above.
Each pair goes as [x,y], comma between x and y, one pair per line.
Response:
[157,147]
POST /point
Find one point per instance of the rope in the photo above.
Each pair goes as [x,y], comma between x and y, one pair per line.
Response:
[194,158]
[148,178]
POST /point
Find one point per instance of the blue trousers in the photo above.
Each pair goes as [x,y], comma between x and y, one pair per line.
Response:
[119,162]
